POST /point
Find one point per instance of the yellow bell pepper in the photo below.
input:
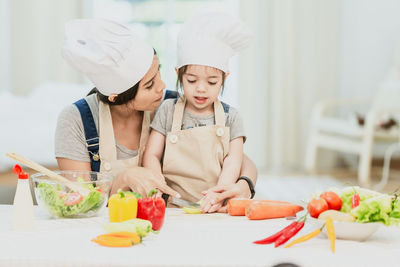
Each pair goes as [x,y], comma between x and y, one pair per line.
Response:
[122,207]
[330,229]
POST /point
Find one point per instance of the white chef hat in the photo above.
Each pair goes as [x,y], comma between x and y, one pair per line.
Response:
[110,54]
[211,39]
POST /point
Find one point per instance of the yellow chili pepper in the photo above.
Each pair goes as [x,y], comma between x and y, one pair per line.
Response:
[330,229]
[122,207]
[305,237]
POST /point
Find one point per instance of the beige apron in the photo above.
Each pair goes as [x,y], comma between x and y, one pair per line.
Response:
[193,158]
[108,152]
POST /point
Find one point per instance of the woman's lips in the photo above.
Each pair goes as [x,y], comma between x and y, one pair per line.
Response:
[200,100]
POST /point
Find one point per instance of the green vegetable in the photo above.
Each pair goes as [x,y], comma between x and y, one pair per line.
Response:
[137,195]
[139,226]
[55,202]
[348,192]
[375,209]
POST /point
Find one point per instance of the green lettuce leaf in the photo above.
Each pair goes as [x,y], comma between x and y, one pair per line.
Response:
[55,204]
[375,209]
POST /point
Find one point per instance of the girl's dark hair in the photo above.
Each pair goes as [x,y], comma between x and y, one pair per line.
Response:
[182,70]
[122,98]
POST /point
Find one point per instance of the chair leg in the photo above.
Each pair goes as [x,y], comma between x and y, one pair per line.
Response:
[311,156]
[364,170]
[364,166]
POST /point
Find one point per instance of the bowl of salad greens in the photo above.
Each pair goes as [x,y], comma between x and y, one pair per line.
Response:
[360,213]
[61,202]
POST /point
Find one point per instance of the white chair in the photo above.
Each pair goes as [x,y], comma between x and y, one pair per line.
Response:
[341,135]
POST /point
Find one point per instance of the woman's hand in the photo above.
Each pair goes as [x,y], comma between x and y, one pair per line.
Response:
[222,193]
[140,180]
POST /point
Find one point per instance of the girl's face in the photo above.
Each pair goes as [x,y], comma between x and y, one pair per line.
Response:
[201,86]
[150,90]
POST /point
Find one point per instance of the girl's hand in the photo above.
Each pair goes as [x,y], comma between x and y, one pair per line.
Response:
[222,193]
[208,204]
[140,180]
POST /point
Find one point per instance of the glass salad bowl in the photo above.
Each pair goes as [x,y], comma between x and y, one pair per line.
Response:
[60,201]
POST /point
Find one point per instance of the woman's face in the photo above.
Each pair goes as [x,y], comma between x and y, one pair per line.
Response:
[150,91]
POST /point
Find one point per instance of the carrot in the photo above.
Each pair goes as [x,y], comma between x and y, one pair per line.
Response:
[112,241]
[117,239]
[260,211]
[237,206]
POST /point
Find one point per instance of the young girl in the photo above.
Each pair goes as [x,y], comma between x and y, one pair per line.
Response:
[198,138]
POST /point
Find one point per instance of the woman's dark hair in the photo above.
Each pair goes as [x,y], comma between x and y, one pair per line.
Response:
[122,98]
[182,70]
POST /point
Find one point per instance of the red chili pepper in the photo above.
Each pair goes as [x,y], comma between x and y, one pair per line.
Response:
[355,200]
[152,209]
[289,233]
[272,238]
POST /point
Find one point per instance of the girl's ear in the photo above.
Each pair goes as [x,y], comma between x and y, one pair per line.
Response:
[176,70]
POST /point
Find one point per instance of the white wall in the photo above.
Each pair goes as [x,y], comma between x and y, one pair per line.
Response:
[370,30]
[36,37]
[5,45]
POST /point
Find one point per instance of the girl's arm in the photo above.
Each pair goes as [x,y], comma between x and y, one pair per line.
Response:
[232,162]
[153,153]
[229,174]
[238,189]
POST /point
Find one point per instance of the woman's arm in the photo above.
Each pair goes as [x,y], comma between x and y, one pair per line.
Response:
[69,164]
[130,179]
[153,153]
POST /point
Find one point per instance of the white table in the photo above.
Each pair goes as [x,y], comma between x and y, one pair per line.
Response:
[185,240]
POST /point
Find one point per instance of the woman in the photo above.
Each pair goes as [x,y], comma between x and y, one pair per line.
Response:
[107,131]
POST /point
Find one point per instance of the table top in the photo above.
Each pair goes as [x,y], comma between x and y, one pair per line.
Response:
[185,240]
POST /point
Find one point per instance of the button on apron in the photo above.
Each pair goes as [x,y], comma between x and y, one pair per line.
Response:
[220,132]
[107,166]
[173,139]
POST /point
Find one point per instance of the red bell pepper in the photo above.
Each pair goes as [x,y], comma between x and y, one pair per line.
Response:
[152,209]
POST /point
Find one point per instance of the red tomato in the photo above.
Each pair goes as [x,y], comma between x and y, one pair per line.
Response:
[73,198]
[101,191]
[61,194]
[333,200]
[317,206]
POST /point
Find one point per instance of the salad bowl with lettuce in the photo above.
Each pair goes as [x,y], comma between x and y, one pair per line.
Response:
[360,213]
[61,202]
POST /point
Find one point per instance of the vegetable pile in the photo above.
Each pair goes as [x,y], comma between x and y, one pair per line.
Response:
[132,217]
[70,204]
[361,204]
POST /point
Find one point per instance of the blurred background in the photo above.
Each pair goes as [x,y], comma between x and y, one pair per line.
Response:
[304,52]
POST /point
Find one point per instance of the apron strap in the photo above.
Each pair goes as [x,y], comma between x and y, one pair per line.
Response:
[92,138]
[144,135]
[178,115]
[219,113]
[107,138]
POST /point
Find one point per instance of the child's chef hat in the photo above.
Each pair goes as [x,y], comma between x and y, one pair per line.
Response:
[110,54]
[210,39]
